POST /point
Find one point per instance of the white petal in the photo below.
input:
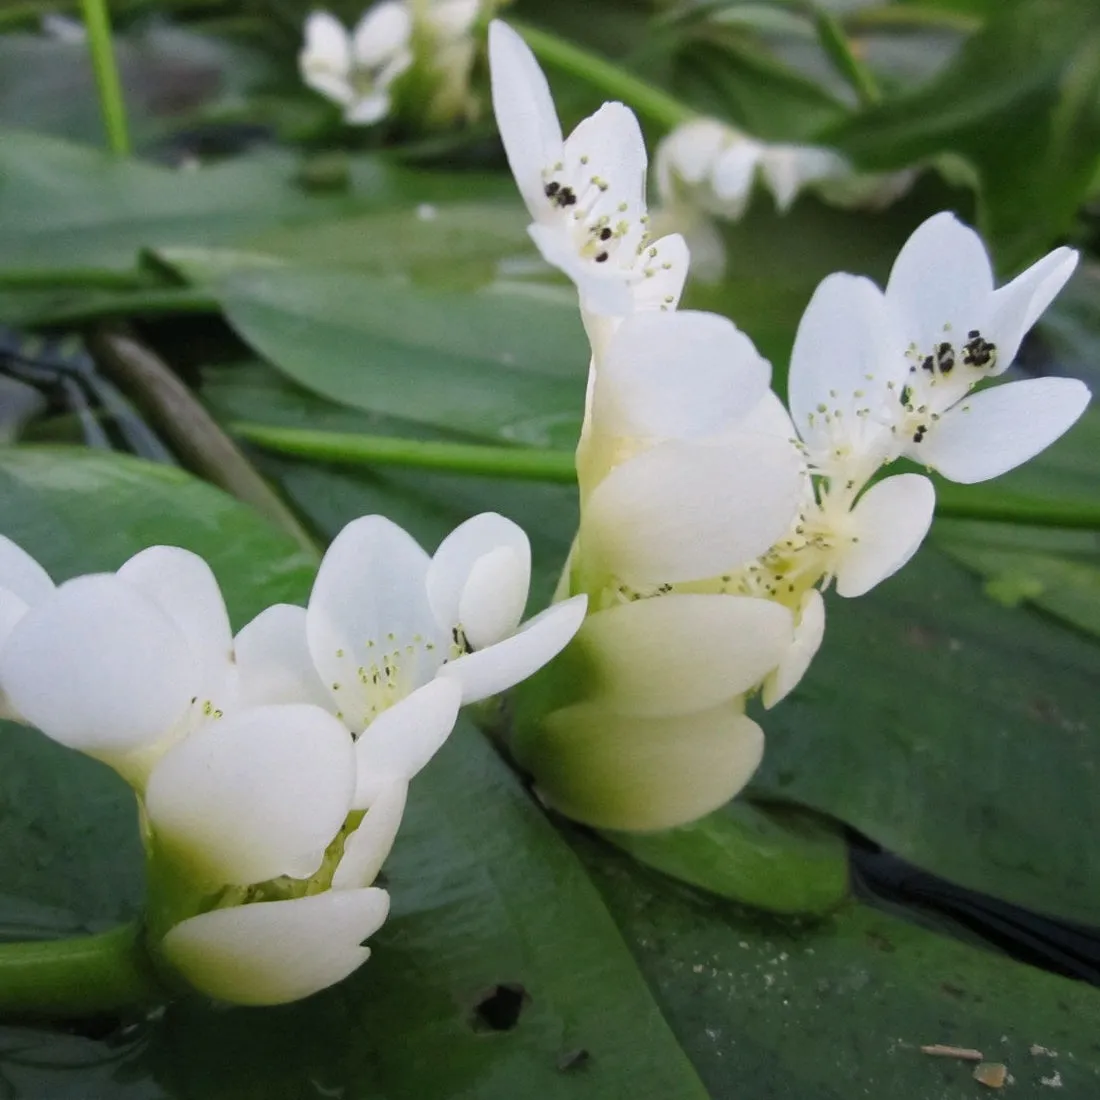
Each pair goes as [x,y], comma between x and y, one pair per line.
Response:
[608,145]
[21,575]
[687,511]
[847,353]
[887,526]
[494,597]
[677,376]
[525,114]
[789,169]
[452,566]
[666,274]
[187,591]
[681,653]
[689,153]
[331,86]
[255,795]
[383,31]
[769,417]
[941,280]
[274,664]
[369,625]
[1019,304]
[604,288]
[809,632]
[639,774]
[703,239]
[733,176]
[272,952]
[366,849]
[12,609]
[99,666]
[997,429]
[368,109]
[536,643]
[326,43]
[401,740]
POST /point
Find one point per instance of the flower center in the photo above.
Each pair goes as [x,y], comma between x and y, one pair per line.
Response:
[379,675]
[940,378]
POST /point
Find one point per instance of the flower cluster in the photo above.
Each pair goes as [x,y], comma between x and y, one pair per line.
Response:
[708,170]
[712,518]
[358,70]
[272,767]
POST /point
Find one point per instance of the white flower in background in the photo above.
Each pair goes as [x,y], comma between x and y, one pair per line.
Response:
[707,169]
[586,193]
[356,70]
[958,332]
[118,665]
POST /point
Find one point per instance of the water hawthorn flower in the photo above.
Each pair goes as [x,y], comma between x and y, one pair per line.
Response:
[711,517]
[360,71]
[272,768]
[708,170]
[586,193]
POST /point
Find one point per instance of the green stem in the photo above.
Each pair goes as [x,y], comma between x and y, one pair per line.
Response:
[658,106]
[55,278]
[82,976]
[383,450]
[912,17]
[98,23]
[532,464]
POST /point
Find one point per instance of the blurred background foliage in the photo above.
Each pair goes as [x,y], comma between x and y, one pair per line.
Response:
[263,288]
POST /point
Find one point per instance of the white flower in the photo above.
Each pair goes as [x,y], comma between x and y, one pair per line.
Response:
[959,331]
[357,70]
[384,619]
[118,665]
[586,194]
[257,822]
[671,490]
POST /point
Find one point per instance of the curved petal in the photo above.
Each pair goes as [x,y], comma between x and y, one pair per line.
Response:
[401,740]
[187,591]
[368,109]
[608,146]
[848,356]
[536,643]
[941,280]
[99,667]
[454,18]
[809,632]
[366,849]
[1019,304]
[677,376]
[887,526]
[688,153]
[681,653]
[274,664]
[21,575]
[450,576]
[788,169]
[384,30]
[614,771]
[665,270]
[997,429]
[273,952]
[769,417]
[525,114]
[369,624]
[604,288]
[686,511]
[255,795]
[733,175]
[327,44]
[12,609]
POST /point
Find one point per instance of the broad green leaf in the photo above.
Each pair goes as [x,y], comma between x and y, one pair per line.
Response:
[777,860]
[497,365]
[841,1009]
[486,896]
[1021,104]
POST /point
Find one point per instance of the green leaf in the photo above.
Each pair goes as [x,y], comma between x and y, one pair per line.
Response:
[772,858]
[496,365]
[1021,104]
[486,895]
[840,1009]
